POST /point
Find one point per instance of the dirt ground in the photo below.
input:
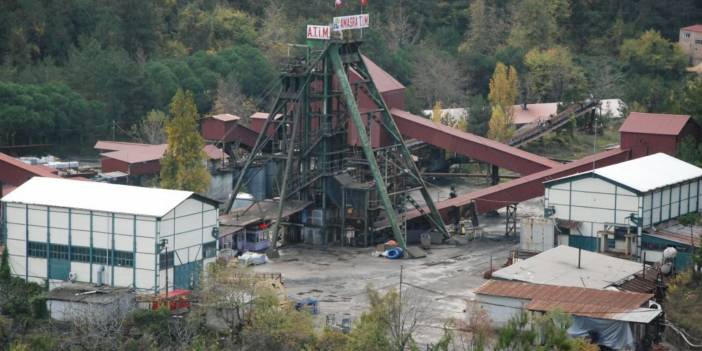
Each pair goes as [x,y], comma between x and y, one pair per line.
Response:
[444,280]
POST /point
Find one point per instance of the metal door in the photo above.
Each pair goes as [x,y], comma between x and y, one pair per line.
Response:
[59,268]
[187,276]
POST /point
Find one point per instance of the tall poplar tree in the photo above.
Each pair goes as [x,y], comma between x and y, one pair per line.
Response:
[503,95]
[184,165]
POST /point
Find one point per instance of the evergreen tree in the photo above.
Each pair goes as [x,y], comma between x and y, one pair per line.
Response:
[4,266]
[184,164]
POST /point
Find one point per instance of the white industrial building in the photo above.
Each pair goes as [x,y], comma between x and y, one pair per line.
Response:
[117,235]
[606,209]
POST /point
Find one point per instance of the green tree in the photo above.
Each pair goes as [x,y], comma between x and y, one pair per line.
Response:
[689,150]
[151,129]
[538,23]
[5,273]
[653,68]
[485,32]
[553,76]
[184,163]
[479,113]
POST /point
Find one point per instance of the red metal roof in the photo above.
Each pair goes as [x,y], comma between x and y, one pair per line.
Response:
[693,28]
[264,115]
[33,169]
[534,112]
[225,117]
[580,301]
[654,123]
[139,153]
[383,80]
[214,153]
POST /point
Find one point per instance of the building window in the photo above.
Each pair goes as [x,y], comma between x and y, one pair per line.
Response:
[100,256]
[165,260]
[59,252]
[209,249]
[35,249]
[124,259]
[698,42]
[686,35]
[80,254]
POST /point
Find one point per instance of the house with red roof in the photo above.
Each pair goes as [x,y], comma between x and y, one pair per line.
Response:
[690,42]
[650,133]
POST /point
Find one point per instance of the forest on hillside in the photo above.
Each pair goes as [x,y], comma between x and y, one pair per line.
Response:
[75,70]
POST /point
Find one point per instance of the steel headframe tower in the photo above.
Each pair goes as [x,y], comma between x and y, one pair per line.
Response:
[317,104]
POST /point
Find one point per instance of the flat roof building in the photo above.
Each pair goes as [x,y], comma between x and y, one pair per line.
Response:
[117,235]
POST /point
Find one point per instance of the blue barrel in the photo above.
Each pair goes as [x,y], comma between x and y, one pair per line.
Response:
[394,253]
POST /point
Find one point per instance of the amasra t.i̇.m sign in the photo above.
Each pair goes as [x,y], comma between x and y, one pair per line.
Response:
[350,22]
[318,32]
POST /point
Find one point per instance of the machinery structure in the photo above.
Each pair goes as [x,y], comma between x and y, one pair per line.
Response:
[350,165]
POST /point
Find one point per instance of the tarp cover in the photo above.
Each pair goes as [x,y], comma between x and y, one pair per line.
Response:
[614,334]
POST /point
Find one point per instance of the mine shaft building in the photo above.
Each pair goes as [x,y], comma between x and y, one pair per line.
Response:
[116,235]
[606,209]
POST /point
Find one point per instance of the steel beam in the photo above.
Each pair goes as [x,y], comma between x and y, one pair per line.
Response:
[350,100]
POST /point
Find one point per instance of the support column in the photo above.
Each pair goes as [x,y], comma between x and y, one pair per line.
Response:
[494,175]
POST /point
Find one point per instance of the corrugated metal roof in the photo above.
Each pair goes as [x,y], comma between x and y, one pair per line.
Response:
[654,123]
[109,145]
[693,28]
[559,266]
[605,304]
[650,172]
[94,196]
[36,170]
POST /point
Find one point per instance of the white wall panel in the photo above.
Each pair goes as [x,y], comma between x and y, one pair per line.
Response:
[37,216]
[144,261]
[556,196]
[37,233]
[16,213]
[188,223]
[101,240]
[16,247]
[146,226]
[145,280]
[82,270]
[561,186]
[195,253]
[593,185]
[188,206]
[58,217]
[211,217]
[80,237]
[592,200]
[146,245]
[123,276]
[124,242]
[124,225]
[188,239]
[37,267]
[627,203]
[101,223]
[583,214]
[59,236]
[15,231]
[17,265]
[561,212]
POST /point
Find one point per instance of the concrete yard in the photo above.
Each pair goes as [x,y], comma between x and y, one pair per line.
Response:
[337,277]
